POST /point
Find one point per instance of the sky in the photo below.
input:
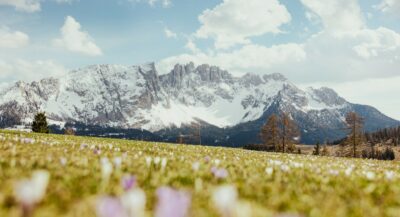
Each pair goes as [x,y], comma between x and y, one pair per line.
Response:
[351,46]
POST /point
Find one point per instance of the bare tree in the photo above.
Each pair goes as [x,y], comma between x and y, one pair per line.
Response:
[354,124]
[290,133]
[270,133]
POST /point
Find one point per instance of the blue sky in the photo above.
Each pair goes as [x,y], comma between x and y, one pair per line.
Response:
[344,44]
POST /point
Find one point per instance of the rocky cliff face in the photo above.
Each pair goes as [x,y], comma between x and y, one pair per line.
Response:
[137,97]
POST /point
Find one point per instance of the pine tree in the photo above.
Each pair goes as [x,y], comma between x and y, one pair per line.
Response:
[289,133]
[270,133]
[354,125]
[39,124]
[317,149]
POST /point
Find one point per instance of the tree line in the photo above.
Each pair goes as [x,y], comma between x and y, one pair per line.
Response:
[280,134]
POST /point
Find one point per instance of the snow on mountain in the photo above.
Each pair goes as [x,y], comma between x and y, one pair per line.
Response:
[137,97]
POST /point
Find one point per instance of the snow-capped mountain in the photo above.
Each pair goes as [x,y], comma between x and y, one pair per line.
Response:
[138,97]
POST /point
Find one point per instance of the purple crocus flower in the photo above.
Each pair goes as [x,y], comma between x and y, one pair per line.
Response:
[110,207]
[219,173]
[83,146]
[207,159]
[128,182]
[172,203]
[97,151]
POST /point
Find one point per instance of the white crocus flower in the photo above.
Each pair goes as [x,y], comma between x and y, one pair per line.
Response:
[225,200]
[31,191]
[164,163]
[269,170]
[196,166]
[106,168]
[134,202]
[157,160]
[148,161]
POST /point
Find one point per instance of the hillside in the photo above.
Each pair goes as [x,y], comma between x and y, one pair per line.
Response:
[230,109]
[93,177]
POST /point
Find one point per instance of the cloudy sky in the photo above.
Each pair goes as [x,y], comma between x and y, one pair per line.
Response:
[349,45]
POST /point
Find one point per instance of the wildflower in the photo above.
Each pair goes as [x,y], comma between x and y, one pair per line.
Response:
[334,172]
[134,202]
[207,159]
[96,151]
[219,173]
[29,192]
[172,203]
[118,162]
[63,161]
[269,170]
[370,175]
[285,168]
[106,168]
[83,146]
[27,141]
[157,160]
[110,146]
[128,182]
[217,162]
[225,200]
[196,166]
[148,161]
[163,163]
[348,171]
[389,175]
[110,207]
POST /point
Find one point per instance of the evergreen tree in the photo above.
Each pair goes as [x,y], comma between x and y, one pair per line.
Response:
[39,124]
[270,133]
[317,149]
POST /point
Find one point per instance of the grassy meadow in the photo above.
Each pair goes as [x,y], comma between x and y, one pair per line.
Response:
[54,175]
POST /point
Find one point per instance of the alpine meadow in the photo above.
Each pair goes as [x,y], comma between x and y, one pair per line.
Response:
[188,108]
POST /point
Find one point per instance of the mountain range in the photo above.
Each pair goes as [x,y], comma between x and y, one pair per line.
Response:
[227,110]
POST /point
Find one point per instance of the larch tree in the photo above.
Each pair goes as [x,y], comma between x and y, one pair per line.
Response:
[290,133]
[270,133]
[354,124]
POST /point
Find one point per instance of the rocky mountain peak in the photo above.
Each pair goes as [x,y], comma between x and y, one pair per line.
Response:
[275,77]
[212,73]
[327,96]
[250,79]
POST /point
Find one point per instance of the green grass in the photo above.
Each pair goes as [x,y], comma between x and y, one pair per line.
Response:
[301,185]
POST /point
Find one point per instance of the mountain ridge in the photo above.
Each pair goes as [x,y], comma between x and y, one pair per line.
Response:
[138,97]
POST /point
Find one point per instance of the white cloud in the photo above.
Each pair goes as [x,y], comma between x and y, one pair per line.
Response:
[12,39]
[374,43]
[164,3]
[389,6]
[234,21]
[346,49]
[29,70]
[378,91]
[336,15]
[30,5]
[190,45]
[169,33]
[23,5]
[254,58]
[76,40]
[340,52]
